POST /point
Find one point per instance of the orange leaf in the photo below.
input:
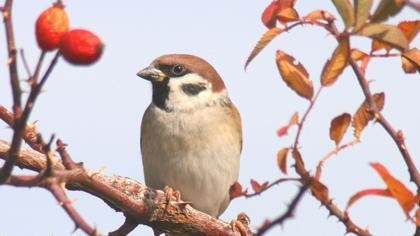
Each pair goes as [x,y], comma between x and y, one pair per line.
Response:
[363,115]
[282,159]
[294,75]
[236,190]
[411,60]
[269,15]
[299,164]
[282,130]
[418,217]
[397,189]
[319,15]
[319,190]
[409,28]
[294,119]
[262,43]
[339,60]
[366,192]
[287,15]
[339,127]
[358,55]
[257,187]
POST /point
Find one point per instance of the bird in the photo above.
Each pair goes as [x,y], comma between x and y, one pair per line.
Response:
[191,133]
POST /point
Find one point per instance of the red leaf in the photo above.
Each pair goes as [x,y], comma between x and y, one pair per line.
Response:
[282,159]
[398,190]
[269,15]
[257,187]
[236,190]
[366,192]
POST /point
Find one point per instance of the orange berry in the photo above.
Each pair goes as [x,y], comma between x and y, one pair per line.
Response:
[81,47]
[50,26]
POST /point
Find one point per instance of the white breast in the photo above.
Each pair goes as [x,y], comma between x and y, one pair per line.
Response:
[195,152]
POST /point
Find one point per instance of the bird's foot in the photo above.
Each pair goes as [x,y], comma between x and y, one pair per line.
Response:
[241,224]
[171,194]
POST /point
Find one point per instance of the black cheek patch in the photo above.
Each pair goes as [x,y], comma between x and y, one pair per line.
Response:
[193,89]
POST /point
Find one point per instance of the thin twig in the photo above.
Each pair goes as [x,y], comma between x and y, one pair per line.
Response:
[11,48]
[278,181]
[61,197]
[25,63]
[288,214]
[331,154]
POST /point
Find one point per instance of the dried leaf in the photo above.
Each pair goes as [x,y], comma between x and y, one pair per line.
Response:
[409,28]
[397,189]
[299,164]
[361,12]
[319,190]
[385,9]
[320,15]
[268,16]
[262,43]
[386,34]
[367,192]
[282,159]
[335,66]
[287,15]
[358,55]
[363,115]
[339,126]
[236,190]
[411,61]
[257,187]
[294,75]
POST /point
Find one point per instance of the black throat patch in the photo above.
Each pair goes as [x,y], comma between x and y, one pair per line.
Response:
[193,89]
[160,93]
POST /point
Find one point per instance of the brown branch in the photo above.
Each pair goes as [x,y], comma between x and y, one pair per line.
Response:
[61,196]
[396,136]
[20,124]
[321,194]
[278,181]
[288,214]
[11,48]
[142,204]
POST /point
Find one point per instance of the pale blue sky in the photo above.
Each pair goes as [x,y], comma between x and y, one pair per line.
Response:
[97,110]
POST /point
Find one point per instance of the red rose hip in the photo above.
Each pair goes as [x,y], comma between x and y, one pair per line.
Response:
[50,26]
[81,47]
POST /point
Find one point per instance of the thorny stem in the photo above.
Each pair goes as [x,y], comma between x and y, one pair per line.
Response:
[278,181]
[288,214]
[20,124]
[12,54]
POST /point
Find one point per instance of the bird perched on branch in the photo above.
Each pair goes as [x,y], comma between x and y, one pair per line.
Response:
[191,136]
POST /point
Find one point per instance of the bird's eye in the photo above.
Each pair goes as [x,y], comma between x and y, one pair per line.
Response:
[178,69]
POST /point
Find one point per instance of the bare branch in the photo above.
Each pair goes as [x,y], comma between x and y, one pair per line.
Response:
[11,48]
[278,181]
[288,214]
[144,205]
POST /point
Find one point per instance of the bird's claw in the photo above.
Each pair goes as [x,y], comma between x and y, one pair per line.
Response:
[241,224]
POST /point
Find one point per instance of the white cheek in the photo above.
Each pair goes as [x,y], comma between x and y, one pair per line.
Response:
[179,100]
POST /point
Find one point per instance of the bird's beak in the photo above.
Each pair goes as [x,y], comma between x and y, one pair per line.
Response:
[152,74]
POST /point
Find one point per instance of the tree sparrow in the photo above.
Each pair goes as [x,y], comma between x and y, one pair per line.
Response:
[191,136]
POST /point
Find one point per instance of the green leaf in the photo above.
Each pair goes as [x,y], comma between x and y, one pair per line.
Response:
[385,9]
[346,11]
[361,12]
[385,33]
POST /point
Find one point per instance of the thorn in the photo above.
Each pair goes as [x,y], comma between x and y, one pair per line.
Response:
[76,227]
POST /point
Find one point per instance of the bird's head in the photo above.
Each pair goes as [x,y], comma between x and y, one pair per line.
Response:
[184,82]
